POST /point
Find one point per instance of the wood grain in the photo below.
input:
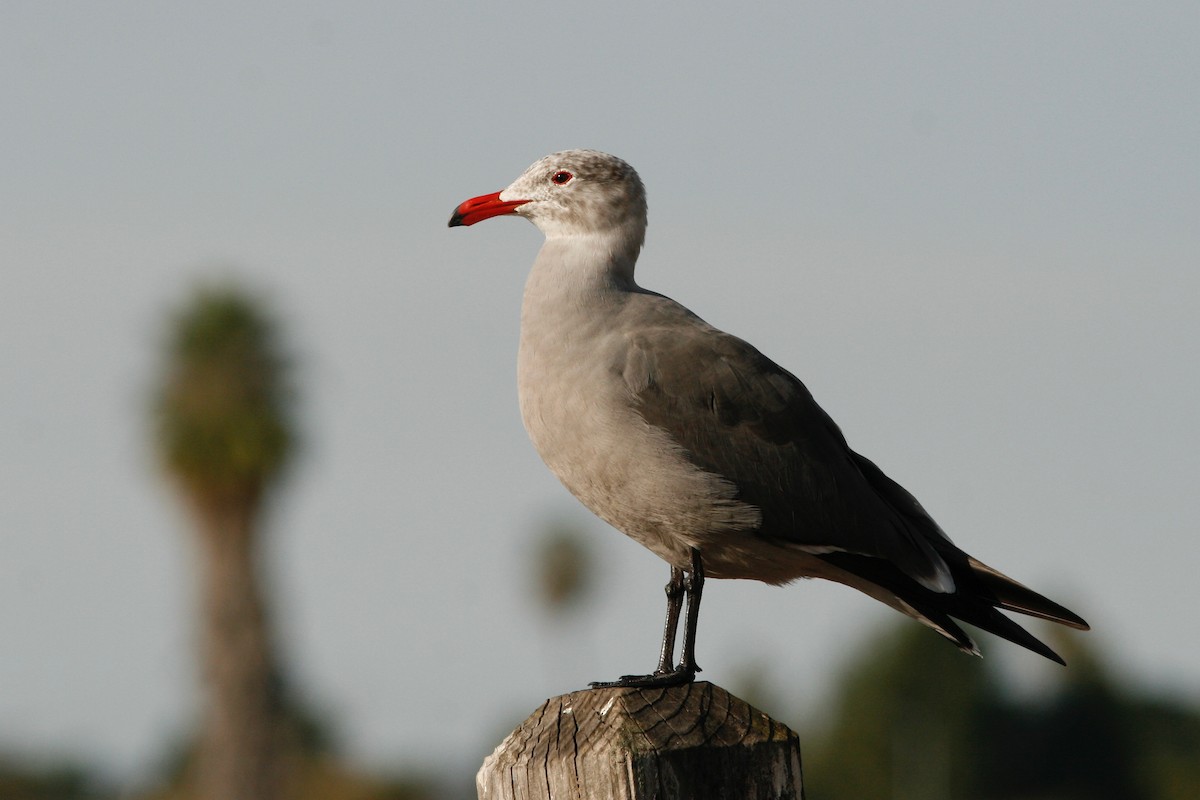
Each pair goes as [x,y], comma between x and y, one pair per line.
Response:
[692,742]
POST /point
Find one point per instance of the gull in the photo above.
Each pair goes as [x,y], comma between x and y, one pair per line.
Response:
[696,445]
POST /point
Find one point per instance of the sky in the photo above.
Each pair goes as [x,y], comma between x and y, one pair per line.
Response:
[970,228]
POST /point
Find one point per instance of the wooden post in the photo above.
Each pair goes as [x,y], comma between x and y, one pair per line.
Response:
[691,742]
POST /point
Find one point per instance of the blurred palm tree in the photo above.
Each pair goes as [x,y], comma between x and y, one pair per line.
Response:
[224,434]
[562,565]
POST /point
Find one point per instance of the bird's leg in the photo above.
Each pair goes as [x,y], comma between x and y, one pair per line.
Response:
[695,588]
[666,675]
[674,589]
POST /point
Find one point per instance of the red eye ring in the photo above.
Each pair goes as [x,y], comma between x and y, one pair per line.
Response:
[561,178]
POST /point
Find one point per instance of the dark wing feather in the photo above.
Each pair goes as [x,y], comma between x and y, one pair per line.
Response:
[739,415]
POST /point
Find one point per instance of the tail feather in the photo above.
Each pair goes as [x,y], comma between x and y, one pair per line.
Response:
[980,591]
[987,618]
[941,622]
[1014,596]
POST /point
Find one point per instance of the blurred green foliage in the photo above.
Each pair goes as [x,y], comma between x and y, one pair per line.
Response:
[65,780]
[224,417]
[563,565]
[915,720]
[910,718]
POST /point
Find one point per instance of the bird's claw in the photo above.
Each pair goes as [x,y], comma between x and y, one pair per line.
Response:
[677,677]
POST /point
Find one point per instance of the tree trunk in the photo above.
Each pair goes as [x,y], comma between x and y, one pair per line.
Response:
[241,743]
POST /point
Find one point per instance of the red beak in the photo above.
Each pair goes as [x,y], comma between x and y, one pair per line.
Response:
[477,209]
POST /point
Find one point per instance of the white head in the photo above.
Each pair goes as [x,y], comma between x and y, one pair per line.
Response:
[570,194]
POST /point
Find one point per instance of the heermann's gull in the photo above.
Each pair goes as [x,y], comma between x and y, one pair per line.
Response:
[699,447]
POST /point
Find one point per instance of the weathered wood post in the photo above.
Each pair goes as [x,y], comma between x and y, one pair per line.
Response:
[691,742]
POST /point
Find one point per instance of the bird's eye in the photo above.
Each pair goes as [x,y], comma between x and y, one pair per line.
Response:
[562,177]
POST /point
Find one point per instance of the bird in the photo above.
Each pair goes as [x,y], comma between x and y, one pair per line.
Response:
[696,445]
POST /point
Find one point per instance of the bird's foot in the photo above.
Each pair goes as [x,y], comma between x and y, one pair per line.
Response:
[676,677]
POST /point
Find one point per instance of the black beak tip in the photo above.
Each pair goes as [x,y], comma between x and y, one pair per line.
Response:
[456,220]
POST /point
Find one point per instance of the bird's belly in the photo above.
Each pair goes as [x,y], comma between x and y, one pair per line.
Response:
[636,478]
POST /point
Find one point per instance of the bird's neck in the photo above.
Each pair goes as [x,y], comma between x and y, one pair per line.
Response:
[580,269]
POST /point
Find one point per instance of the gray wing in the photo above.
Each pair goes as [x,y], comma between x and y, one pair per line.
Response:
[739,415]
